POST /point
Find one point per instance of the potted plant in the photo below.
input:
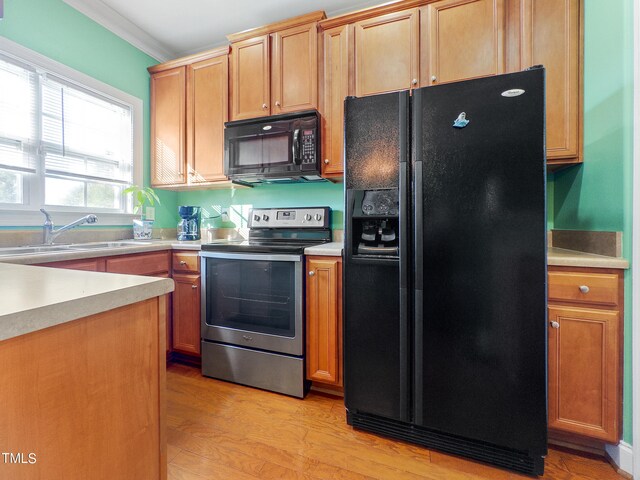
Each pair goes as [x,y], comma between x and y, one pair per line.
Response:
[142,228]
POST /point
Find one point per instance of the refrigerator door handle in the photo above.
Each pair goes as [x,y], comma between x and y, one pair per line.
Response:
[404,221]
[418,321]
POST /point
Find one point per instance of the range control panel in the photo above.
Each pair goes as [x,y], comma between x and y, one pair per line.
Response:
[308,217]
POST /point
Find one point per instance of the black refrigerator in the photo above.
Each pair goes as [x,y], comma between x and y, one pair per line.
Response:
[445,329]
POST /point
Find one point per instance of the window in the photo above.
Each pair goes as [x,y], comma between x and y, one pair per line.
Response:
[67,142]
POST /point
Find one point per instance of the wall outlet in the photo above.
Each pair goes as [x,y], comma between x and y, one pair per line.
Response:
[150,213]
[224,216]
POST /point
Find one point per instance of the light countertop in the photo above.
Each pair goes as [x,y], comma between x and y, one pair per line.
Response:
[571,258]
[34,298]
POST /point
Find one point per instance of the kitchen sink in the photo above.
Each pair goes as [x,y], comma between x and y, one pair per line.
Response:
[95,246]
[33,250]
[39,249]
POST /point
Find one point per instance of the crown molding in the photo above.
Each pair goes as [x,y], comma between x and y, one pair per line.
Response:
[123,28]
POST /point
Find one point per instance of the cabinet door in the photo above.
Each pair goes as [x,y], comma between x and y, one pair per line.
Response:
[335,89]
[250,78]
[154,263]
[584,373]
[207,110]
[462,39]
[294,78]
[186,314]
[551,37]
[168,115]
[324,320]
[386,53]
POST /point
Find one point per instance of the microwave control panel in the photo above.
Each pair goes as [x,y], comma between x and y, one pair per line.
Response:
[308,140]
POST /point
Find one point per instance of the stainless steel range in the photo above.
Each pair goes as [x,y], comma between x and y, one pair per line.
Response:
[253,300]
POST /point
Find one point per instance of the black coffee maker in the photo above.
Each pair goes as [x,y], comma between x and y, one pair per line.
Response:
[189,225]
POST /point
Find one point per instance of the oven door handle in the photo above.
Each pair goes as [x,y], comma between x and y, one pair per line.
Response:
[253,256]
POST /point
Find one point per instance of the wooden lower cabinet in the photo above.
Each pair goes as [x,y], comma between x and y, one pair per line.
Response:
[324,320]
[585,353]
[186,303]
[186,314]
[156,264]
[87,397]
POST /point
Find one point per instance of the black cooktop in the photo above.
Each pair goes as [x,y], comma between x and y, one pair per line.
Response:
[258,247]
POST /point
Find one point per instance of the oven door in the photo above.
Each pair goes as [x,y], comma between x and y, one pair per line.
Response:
[253,301]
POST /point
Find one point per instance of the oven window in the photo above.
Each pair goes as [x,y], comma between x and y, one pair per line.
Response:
[263,150]
[250,295]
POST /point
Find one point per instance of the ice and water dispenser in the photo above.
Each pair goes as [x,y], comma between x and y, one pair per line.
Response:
[375,223]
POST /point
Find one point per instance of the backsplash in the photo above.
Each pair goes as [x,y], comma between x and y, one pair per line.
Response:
[237,202]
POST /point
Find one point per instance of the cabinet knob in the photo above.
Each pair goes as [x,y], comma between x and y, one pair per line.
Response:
[194,286]
[414,81]
[555,324]
[584,288]
[183,263]
[433,78]
[326,161]
[277,103]
[264,106]
[312,273]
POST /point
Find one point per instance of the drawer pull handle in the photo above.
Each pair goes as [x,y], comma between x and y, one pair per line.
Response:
[584,288]
[555,324]
[182,262]
[194,286]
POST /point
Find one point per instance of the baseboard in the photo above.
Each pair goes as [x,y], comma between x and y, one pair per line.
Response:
[621,456]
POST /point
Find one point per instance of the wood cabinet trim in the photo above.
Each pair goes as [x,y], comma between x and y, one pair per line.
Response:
[235,93]
[607,430]
[324,327]
[430,51]
[274,27]
[278,73]
[412,15]
[157,177]
[571,150]
[336,72]
[194,174]
[186,313]
[188,60]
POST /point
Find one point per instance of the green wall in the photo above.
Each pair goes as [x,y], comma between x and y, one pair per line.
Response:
[54,29]
[598,194]
[293,195]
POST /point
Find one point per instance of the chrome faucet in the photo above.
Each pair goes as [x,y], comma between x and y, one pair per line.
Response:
[50,234]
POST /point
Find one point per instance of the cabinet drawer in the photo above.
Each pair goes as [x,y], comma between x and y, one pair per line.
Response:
[598,288]
[186,262]
[144,264]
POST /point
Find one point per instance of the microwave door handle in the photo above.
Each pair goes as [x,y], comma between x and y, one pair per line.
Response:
[295,148]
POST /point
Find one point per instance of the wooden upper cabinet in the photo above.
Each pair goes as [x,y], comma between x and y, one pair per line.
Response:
[207,110]
[584,372]
[551,36]
[250,79]
[168,107]
[294,78]
[387,53]
[462,39]
[335,88]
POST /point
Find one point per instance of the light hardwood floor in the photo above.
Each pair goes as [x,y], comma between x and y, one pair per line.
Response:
[218,430]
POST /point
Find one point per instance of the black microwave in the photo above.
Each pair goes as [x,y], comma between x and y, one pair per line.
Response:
[277,149]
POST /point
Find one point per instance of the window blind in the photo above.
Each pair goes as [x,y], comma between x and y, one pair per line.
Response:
[84,134]
[18,116]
